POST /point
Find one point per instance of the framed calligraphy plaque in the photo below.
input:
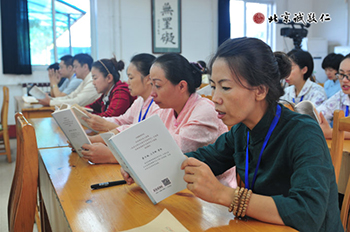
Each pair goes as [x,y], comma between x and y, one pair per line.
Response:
[166,26]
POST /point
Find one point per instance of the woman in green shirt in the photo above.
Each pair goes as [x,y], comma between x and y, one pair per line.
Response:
[283,154]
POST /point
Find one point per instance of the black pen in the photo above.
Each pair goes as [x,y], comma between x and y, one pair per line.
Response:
[108,184]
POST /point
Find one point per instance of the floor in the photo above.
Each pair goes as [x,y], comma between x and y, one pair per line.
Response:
[6,175]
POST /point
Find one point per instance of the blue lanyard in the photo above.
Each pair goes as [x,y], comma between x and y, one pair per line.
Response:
[144,116]
[272,127]
[301,99]
[347,111]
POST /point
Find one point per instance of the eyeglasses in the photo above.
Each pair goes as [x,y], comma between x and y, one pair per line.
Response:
[341,76]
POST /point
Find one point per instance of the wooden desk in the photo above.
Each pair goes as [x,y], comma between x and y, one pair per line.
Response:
[346,147]
[71,205]
[33,110]
[345,165]
[48,133]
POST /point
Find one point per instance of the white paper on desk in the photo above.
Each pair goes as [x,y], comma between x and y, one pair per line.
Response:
[37,93]
[29,99]
[165,222]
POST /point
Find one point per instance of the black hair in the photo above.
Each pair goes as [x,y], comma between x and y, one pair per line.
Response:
[332,60]
[284,64]
[177,68]
[302,59]
[54,66]
[347,56]
[67,60]
[143,63]
[204,66]
[83,58]
[253,60]
[110,66]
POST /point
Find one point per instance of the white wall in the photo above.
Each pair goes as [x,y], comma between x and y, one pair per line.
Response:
[124,29]
[336,31]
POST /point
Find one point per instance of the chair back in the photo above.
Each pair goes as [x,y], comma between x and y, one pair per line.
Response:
[4,132]
[344,213]
[340,124]
[23,194]
[5,108]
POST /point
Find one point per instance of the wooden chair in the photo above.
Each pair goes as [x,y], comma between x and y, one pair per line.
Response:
[340,125]
[4,132]
[344,213]
[23,196]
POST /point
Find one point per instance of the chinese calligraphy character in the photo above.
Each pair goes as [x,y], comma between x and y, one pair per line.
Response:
[167,9]
[167,23]
[325,17]
[299,17]
[273,17]
[285,17]
[168,37]
[311,17]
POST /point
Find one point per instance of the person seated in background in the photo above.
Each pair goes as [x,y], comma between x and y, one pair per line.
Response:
[205,72]
[190,119]
[339,101]
[115,97]
[143,107]
[85,93]
[330,64]
[66,72]
[53,68]
[282,155]
[302,88]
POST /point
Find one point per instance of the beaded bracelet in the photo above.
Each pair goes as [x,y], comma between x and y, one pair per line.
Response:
[235,199]
[240,202]
[246,202]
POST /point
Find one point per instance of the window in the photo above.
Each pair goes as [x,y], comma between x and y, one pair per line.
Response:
[242,24]
[58,28]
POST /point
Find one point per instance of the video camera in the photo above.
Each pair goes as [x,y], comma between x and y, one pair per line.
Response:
[297,34]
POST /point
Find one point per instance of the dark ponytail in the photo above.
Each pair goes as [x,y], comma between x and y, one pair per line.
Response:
[177,68]
[284,64]
[110,66]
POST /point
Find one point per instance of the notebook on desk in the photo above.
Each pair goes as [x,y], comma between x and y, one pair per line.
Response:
[30,100]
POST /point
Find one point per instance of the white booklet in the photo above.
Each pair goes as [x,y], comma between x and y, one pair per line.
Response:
[162,223]
[71,127]
[29,99]
[306,107]
[151,156]
[79,112]
[37,93]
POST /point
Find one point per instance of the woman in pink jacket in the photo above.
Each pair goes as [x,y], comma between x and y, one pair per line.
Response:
[190,119]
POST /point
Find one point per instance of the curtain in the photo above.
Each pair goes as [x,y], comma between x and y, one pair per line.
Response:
[224,21]
[15,37]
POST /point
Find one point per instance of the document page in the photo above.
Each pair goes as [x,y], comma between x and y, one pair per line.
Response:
[165,222]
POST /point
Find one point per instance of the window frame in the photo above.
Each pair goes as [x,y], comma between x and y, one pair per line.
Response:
[93,29]
[270,27]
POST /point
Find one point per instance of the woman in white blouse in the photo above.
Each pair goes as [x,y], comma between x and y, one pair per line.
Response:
[301,87]
[339,101]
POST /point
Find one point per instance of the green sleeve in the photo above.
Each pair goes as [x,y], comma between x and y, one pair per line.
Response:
[219,155]
[309,196]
